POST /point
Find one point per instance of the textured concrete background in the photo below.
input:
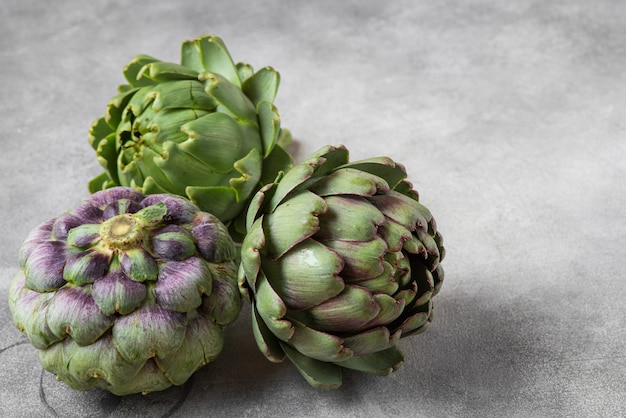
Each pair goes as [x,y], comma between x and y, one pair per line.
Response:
[509,117]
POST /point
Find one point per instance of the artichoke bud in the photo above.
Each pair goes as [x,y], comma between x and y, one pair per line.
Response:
[207,114]
[340,261]
[125,292]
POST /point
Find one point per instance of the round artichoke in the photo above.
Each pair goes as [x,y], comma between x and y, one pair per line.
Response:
[127,293]
[205,129]
[340,261]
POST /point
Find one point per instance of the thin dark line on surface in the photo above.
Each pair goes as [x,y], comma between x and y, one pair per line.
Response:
[13,345]
[186,390]
[42,396]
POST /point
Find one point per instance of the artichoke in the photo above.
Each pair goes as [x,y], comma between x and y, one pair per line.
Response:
[205,129]
[340,261]
[127,293]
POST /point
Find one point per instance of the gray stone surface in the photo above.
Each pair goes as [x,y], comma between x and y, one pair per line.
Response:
[509,117]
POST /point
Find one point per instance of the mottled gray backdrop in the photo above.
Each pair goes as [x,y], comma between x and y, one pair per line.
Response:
[509,117]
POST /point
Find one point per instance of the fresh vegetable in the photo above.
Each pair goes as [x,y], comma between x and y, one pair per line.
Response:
[340,261]
[127,293]
[205,129]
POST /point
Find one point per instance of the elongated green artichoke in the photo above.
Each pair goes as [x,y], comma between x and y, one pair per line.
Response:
[127,293]
[205,129]
[340,261]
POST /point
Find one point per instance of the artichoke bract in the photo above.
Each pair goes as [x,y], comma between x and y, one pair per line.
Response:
[125,292]
[205,129]
[340,261]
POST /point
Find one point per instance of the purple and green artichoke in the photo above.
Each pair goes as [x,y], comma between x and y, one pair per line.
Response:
[205,129]
[340,261]
[125,292]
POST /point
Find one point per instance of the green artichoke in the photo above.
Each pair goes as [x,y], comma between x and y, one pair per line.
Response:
[340,261]
[127,293]
[205,129]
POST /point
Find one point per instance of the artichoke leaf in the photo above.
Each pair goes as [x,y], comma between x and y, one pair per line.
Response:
[117,107]
[209,53]
[224,303]
[253,243]
[245,71]
[86,266]
[267,342]
[269,126]
[72,310]
[305,276]
[99,129]
[380,363]
[401,209]
[292,222]
[351,310]
[262,86]
[384,167]
[350,181]
[132,70]
[385,283]
[138,265]
[44,266]
[219,140]
[390,309]
[210,239]
[317,344]
[28,310]
[117,293]
[231,99]
[187,94]
[372,341]
[184,170]
[319,374]
[338,222]
[363,260]
[160,71]
[97,365]
[203,342]
[107,156]
[181,284]
[277,162]
[414,319]
[150,331]
[272,310]
[39,234]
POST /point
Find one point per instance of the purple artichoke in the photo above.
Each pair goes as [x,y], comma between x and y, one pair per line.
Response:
[127,293]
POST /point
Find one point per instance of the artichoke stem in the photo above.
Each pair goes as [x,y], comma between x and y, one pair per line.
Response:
[121,232]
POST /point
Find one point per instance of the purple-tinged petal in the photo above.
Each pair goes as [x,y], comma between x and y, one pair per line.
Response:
[363,260]
[224,303]
[120,207]
[173,242]
[73,311]
[372,341]
[28,309]
[44,266]
[89,213]
[64,223]
[117,293]
[103,198]
[179,210]
[349,311]
[86,267]
[212,238]
[182,283]
[41,233]
[138,265]
[150,331]
[84,236]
